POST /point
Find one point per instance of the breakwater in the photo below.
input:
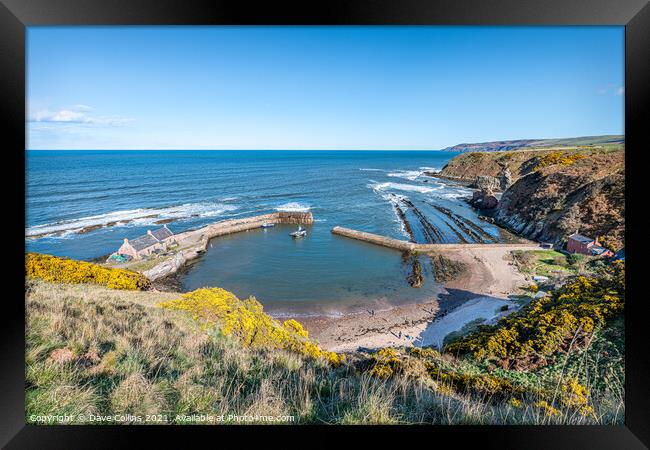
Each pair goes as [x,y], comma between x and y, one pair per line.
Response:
[413,247]
[193,243]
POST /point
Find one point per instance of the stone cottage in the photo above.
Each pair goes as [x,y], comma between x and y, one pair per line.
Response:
[152,242]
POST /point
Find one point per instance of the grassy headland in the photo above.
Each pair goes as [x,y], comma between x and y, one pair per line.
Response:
[520,144]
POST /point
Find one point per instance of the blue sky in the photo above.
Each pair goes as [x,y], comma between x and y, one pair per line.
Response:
[319,87]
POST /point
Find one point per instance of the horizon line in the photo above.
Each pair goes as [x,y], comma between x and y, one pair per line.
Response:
[616,135]
[244,149]
[332,149]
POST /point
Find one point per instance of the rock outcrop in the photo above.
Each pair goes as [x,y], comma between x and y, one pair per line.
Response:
[505,178]
[485,183]
[484,199]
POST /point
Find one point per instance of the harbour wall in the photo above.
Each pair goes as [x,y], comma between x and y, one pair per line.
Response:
[413,247]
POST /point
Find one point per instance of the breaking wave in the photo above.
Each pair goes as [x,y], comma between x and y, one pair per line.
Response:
[293,206]
[142,216]
[410,175]
[456,193]
[436,189]
[382,187]
[413,175]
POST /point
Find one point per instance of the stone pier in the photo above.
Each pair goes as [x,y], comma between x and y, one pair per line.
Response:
[412,247]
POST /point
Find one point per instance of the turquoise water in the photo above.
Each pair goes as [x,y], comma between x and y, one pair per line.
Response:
[82,204]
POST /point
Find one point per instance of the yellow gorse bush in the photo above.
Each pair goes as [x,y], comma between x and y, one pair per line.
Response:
[385,363]
[571,395]
[63,270]
[550,323]
[389,361]
[482,384]
[547,409]
[246,320]
[575,395]
[558,157]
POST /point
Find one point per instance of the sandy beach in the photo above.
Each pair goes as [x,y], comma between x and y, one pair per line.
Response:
[479,292]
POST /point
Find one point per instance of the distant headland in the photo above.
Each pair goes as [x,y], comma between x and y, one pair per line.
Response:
[519,144]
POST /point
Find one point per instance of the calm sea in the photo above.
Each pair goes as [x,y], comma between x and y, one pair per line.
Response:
[82,204]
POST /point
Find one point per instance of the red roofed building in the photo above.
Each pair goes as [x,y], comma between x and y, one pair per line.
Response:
[584,245]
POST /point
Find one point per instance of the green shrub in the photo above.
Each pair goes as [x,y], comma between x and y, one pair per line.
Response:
[575,258]
[559,260]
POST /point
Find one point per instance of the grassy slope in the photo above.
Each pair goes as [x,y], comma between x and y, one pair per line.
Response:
[548,263]
[95,350]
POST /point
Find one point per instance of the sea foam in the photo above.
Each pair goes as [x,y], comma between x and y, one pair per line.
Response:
[402,187]
[410,175]
[413,175]
[293,206]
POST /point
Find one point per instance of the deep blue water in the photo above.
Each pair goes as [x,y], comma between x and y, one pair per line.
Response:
[129,191]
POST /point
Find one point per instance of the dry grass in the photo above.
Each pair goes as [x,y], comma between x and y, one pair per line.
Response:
[130,357]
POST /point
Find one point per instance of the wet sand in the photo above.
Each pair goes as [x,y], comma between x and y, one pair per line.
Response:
[489,278]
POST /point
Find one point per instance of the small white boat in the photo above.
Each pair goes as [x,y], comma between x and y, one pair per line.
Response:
[299,233]
[267,225]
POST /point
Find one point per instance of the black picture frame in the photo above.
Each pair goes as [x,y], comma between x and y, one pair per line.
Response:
[15,15]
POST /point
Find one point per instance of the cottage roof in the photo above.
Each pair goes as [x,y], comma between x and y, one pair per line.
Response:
[581,238]
[162,233]
[143,242]
[598,250]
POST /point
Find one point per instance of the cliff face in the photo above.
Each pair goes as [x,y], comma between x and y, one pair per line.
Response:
[555,193]
[549,207]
